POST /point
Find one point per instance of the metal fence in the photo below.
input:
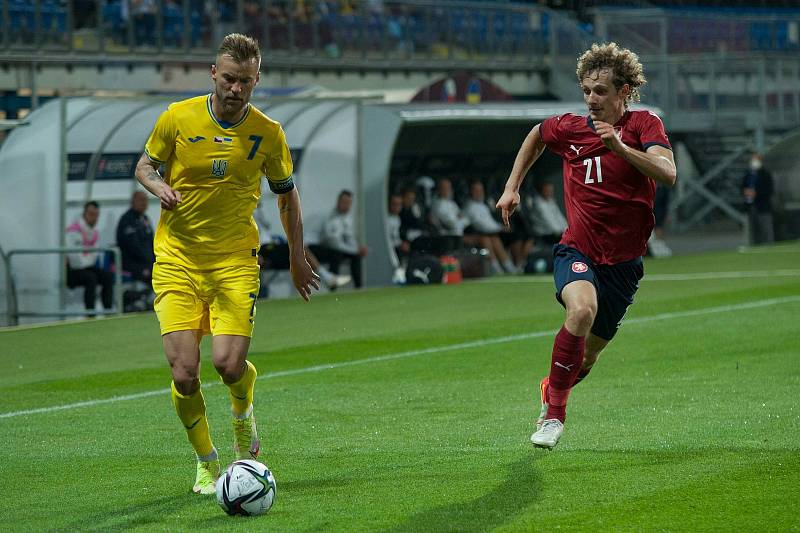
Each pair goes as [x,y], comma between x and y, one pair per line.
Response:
[714,67]
[701,30]
[12,308]
[712,91]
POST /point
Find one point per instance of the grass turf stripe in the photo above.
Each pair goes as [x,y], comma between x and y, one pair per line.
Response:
[412,353]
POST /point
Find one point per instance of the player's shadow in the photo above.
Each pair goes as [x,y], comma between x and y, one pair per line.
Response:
[139,515]
[500,506]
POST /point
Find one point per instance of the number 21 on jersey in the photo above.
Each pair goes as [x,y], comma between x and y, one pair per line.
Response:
[598,170]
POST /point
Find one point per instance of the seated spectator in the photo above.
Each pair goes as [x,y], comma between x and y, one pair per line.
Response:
[412,224]
[144,21]
[547,219]
[656,246]
[518,239]
[484,230]
[135,241]
[339,240]
[273,254]
[82,267]
[445,214]
[401,246]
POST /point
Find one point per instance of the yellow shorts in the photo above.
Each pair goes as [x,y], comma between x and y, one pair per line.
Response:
[220,302]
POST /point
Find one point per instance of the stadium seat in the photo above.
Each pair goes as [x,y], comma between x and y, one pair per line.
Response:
[21,18]
[173,25]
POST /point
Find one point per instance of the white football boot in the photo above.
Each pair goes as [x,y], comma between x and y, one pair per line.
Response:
[547,436]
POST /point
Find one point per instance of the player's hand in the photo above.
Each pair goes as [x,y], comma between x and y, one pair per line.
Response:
[507,204]
[169,197]
[303,276]
[609,136]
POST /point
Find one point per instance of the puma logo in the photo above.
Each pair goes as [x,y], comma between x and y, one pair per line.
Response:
[568,368]
[577,150]
[422,274]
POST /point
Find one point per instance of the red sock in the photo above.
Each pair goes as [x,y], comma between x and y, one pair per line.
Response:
[564,368]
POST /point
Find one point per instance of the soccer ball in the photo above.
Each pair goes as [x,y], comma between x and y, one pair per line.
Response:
[246,488]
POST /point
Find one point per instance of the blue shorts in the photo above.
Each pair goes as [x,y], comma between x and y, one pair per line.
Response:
[615,285]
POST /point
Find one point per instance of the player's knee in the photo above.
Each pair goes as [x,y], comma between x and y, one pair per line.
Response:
[582,316]
[229,369]
[186,382]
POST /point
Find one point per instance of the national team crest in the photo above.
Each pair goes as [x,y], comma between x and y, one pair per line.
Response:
[579,268]
[219,167]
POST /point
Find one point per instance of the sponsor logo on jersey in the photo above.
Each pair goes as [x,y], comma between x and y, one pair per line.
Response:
[577,150]
[219,167]
[195,139]
[579,268]
[223,140]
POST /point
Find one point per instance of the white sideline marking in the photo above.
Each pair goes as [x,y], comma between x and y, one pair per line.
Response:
[412,353]
[788,248]
[784,273]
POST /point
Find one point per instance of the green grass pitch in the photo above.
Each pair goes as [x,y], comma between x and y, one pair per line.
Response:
[410,409]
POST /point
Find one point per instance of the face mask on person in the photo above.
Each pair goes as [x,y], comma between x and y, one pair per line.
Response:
[755,164]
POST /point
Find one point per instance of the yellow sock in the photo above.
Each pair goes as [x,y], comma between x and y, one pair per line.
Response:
[242,391]
[192,412]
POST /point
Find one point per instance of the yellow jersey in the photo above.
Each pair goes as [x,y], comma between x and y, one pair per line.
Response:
[217,167]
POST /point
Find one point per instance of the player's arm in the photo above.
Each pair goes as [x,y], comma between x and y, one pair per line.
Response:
[657,162]
[148,175]
[303,276]
[532,147]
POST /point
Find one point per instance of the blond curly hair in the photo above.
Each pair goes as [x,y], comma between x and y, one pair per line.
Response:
[623,63]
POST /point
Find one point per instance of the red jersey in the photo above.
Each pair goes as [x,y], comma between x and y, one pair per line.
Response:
[609,203]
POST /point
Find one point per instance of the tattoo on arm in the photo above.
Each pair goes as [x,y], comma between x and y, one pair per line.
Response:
[283,204]
[153,175]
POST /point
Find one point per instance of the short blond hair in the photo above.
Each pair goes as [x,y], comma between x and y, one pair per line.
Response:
[622,62]
[241,48]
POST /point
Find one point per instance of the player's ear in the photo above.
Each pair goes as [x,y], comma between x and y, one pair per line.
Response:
[258,77]
[214,72]
[625,91]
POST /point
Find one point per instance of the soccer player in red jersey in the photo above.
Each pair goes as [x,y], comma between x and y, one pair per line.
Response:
[612,159]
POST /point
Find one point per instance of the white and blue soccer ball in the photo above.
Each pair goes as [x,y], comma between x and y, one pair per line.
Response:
[246,488]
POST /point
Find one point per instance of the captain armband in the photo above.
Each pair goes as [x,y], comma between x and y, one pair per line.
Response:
[281,187]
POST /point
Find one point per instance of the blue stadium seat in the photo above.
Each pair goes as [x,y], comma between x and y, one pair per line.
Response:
[173,25]
[114,24]
[21,16]
[760,36]
[54,16]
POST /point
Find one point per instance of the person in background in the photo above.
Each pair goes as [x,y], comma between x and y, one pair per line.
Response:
[757,192]
[339,241]
[484,231]
[395,228]
[445,213]
[273,254]
[656,246]
[549,222]
[135,240]
[82,267]
[412,224]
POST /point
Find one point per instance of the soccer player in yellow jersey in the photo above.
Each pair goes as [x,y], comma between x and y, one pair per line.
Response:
[215,148]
